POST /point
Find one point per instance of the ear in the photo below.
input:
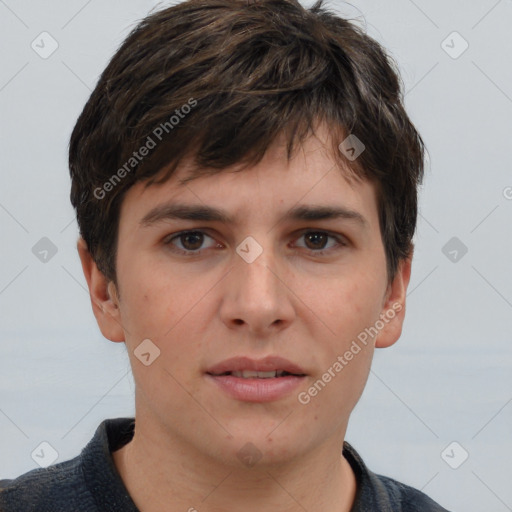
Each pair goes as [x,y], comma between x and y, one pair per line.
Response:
[104,297]
[393,311]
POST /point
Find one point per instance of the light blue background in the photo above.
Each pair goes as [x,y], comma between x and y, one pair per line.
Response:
[448,379]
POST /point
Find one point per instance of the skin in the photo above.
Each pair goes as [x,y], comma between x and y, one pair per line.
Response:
[202,309]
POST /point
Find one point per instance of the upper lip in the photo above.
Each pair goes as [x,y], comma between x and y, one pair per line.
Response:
[267,364]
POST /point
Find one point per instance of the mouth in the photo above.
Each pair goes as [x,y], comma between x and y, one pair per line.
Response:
[251,374]
[249,368]
[252,380]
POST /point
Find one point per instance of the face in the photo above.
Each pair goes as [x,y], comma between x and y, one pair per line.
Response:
[283,270]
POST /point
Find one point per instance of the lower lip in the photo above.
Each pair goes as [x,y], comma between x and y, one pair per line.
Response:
[257,390]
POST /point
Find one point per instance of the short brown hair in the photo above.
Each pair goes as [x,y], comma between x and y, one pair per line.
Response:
[246,73]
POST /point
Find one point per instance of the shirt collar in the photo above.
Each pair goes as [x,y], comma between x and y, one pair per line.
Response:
[111,495]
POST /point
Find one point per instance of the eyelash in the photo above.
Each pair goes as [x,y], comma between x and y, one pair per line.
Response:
[341,242]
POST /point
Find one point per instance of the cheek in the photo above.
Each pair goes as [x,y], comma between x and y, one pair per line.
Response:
[164,307]
[159,310]
[349,309]
[150,301]
[350,306]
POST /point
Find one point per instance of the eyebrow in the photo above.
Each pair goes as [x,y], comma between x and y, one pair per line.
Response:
[209,213]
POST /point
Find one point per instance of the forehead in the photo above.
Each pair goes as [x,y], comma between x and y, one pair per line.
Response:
[322,145]
[311,176]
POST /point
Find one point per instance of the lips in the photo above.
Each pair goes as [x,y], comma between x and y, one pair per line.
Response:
[245,367]
[256,380]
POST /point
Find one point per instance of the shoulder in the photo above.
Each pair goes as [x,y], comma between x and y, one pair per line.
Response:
[406,497]
[380,493]
[53,489]
[86,483]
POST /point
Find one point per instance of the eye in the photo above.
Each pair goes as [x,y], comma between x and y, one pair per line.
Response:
[188,242]
[316,241]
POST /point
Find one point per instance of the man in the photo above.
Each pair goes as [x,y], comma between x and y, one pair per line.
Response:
[245,180]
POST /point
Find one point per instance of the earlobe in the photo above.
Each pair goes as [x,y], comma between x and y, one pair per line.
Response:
[393,312]
[103,294]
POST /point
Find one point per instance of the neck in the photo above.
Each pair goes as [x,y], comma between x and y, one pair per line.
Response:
[161,472]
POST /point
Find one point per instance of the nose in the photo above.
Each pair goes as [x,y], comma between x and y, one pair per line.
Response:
[257,296]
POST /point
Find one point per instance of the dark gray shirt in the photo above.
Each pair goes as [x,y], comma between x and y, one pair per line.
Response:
[90,482]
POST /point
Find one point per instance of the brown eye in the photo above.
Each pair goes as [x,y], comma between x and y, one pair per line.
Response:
[316,239]
[189,242]
[316,242]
